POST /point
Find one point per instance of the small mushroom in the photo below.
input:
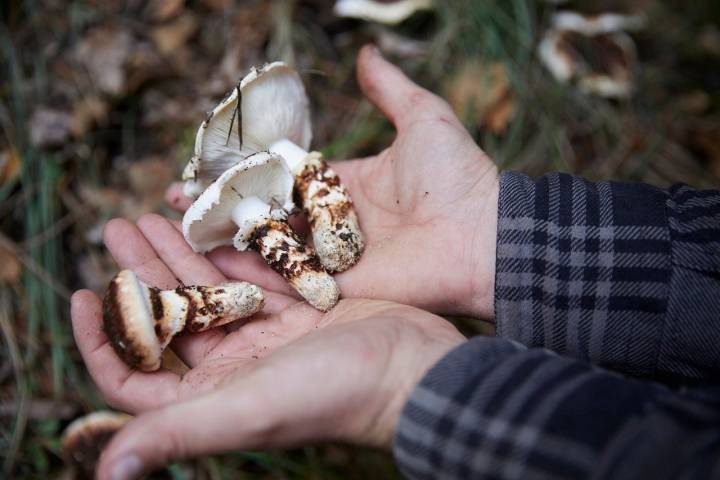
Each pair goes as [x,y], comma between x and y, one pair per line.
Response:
[592,50]
[85,438]
[268,111]
[248,207]
[140,320]
[384,11]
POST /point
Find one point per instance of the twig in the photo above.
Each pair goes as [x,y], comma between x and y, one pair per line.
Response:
[18,368]
[56,229]
[38,270]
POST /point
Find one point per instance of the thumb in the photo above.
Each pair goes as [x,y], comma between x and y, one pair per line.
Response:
[389,89]
[206,424]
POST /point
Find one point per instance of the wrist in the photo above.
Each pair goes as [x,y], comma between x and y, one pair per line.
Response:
[479,277]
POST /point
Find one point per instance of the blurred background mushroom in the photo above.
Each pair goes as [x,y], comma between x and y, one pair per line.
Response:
[383,11]
[99,105]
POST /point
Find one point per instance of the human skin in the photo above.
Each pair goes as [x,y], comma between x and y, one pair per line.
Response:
[292,375]
[427,207]
[289,376]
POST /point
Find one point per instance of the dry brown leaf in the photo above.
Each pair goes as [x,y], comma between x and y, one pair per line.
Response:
[482,91]
[151,176]
[10,268]
[163,10]
[104,52]
[170,37]
[9,165]
[88,111]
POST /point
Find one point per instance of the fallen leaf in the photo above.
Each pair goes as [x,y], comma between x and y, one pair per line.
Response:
[49,127]
[9,165]
[104,52]
[482,91]
[172,36]
[88,111]
[151,176]
[10,268]
[163,10]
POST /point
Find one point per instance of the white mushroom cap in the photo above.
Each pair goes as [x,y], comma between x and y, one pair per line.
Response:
[85,438]
[273,106]
[389,12]
[592,25]
[592,50]
[213,220]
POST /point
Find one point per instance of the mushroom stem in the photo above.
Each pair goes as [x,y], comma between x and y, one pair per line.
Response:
[287,254]
[141,320]
[327,204]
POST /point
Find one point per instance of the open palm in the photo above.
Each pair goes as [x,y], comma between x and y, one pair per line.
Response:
[289,375]
[427,206]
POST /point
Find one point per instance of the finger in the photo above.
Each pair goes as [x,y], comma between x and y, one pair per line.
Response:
[189,267]
[126,389]
[389,89]
[193,268]
[210,423]
[250,267]
[131,250]
[176,199]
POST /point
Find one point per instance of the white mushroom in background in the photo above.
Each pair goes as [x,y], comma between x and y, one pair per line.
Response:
[592,50]
[140,321]
[384,11]
[247,207]
[85,438]
[269,111]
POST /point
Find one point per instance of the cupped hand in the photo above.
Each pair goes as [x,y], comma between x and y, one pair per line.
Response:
[427,206]
[288,376]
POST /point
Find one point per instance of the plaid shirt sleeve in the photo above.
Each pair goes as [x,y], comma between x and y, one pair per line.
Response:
[623,275]
[494,409]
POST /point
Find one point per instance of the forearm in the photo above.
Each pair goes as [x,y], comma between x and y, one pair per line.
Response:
[493,409]
[619,274]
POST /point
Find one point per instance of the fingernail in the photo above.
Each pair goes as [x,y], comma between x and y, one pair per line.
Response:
[127,468]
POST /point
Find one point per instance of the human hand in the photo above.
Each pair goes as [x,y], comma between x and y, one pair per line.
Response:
[427,207]
[291,375]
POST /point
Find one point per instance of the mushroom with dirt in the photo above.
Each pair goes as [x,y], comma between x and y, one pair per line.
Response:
[247,207]
[592,50]
[140,320]
[85,438]
[268,111]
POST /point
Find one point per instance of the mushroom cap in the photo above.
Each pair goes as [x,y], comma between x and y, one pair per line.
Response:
[128,322]
[390,12]
[209,223]
[599,24]
[84,439]
[273,106]
[594,51]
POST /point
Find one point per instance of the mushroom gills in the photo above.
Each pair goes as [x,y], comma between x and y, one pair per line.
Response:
[247,207]
[286,253]
[141,320]
[327,204]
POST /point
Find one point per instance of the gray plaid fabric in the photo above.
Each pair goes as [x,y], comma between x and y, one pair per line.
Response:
[622,275]
[619,274]
[493,409]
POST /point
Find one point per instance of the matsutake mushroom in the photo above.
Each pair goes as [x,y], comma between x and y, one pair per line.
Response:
[85,438]
[247,207]
[384,11]
[140,320]
[592,50]
[268,111]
